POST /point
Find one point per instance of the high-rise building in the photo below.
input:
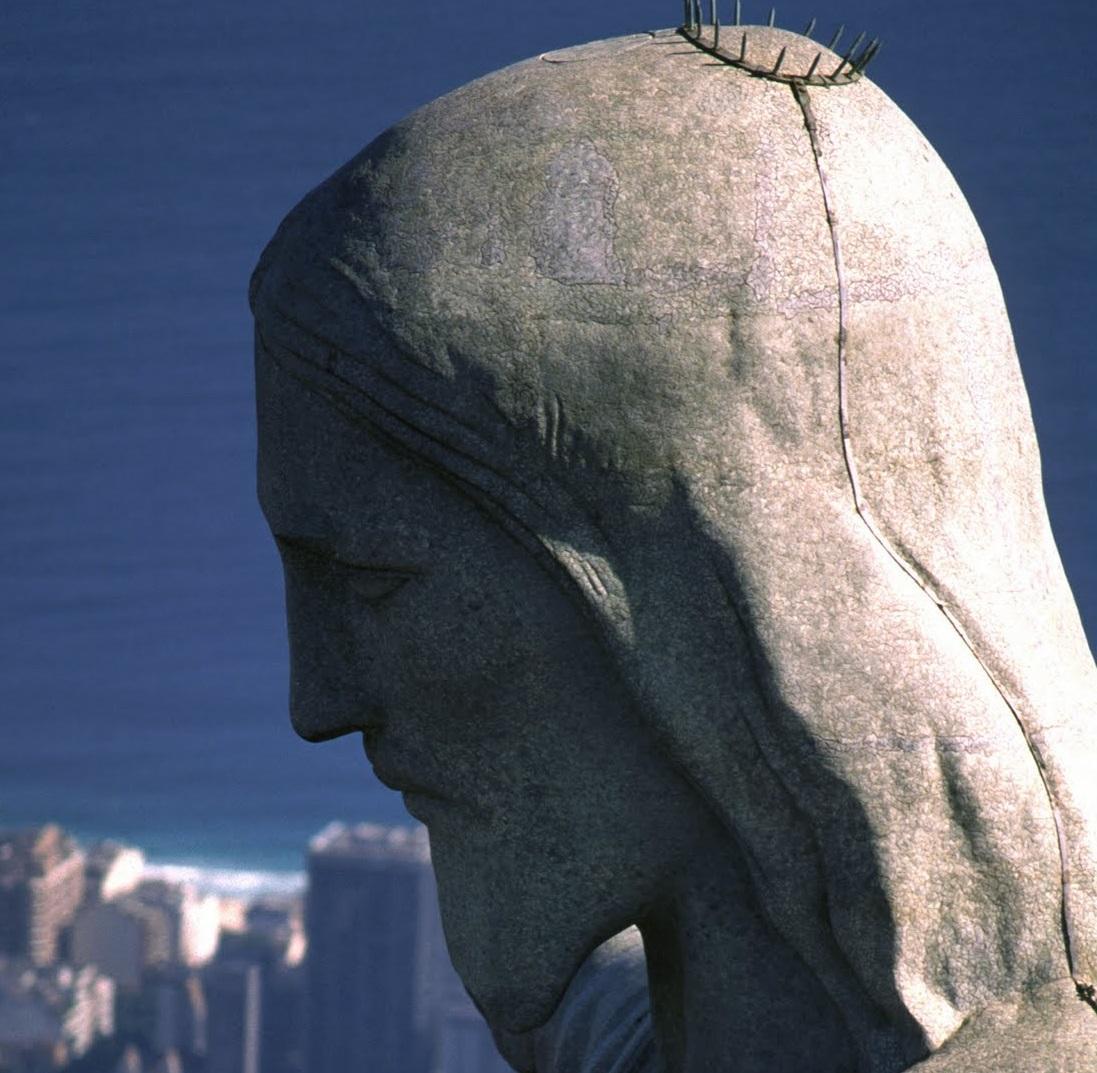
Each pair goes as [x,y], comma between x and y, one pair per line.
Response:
[283,1036]
[122,938]
[178,1012]
[50,1016]
[381,992]
[272,940]
[41,886]
[110,870]
[234,1016]
[366,958]
[194,920]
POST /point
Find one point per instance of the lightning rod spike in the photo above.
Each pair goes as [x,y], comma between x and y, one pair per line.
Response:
[837,33]
[814,64]
[864,52]
[868,55]
[856,41]
[780,60]
[772,16]
[810,27]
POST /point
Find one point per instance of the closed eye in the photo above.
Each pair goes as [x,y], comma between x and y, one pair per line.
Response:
[374,584]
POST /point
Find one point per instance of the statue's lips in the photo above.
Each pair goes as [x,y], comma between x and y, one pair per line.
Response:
[422,806]
[404,784]
[421,802]
[416,795]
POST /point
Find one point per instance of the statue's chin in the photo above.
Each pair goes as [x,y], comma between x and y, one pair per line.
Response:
[517,1003]
[514,968]
[517,1018]
[517,928]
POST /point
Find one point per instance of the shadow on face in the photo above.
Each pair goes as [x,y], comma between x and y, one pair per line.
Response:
[482,694]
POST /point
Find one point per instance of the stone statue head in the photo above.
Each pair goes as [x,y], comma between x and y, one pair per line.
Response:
[658,496]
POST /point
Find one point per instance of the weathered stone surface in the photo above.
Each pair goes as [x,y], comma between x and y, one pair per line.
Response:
[659,497]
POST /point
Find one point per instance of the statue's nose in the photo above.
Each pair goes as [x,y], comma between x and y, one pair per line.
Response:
[316,711]
[329,687]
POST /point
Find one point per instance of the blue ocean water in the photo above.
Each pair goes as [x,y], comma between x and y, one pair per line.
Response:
[148,151]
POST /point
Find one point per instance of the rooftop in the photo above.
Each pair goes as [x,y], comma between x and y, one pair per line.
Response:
[370,842]
[26,852]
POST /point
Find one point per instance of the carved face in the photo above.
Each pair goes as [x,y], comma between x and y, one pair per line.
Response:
[481,693]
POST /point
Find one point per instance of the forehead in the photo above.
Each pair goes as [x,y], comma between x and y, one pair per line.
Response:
[323,476]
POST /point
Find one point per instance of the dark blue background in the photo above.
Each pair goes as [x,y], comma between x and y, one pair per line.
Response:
[147,152]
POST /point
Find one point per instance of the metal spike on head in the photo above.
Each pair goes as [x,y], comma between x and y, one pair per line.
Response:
[866,57]
[850,65]
[685,14]
[856,61]
[853,48]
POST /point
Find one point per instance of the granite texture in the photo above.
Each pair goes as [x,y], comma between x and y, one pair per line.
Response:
[660,499]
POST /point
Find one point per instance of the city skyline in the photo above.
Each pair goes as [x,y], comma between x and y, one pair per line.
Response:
[105,966]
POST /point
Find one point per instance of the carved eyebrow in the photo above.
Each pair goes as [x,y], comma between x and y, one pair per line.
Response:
[320,550]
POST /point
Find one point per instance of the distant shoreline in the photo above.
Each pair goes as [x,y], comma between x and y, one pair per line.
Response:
[208,875]
[242,883]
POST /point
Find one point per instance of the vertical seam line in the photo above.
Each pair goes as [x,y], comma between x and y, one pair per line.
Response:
[1086,990]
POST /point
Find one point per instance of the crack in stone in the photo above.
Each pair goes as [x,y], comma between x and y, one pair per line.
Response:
[1086,989]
